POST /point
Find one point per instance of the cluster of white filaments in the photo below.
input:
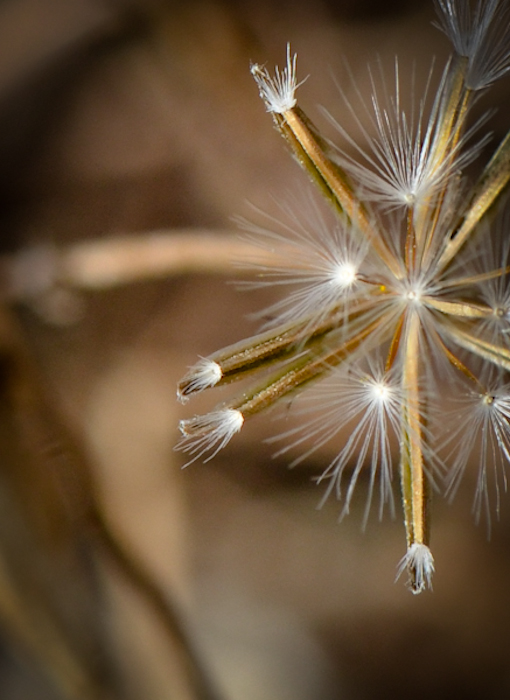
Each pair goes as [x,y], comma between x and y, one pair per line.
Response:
[278,91]
[368,417]
[318,261]
[418,559]
[481,436]
[206,374]
[396,319]
[399,167]
[480,35]
[210,433]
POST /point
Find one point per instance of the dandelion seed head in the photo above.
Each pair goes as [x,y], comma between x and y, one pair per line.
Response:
[394,306]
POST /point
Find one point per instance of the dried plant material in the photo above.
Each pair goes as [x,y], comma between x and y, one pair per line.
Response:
[44,460]
[396,304]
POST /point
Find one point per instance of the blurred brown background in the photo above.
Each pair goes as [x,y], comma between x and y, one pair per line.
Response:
[132,116]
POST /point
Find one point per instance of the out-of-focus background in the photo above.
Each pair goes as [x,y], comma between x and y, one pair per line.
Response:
[121,575]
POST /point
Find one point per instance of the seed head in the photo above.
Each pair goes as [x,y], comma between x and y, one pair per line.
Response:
[397,303]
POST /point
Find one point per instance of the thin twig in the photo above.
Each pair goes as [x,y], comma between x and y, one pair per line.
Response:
[101,264]
[44,426]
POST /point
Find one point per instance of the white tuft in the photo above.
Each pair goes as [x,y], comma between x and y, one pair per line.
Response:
[210,433]
[482,437]
[344,274]
[400,167]
[364,406]
[320,261]
[495,292]
[381,392]
[413,294]
[278,92]
[419,561]
[482,36]
[204,375]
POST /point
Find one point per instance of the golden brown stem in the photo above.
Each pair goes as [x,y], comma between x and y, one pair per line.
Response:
[486,192]
[306,368]
[415,491]
[336,182]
